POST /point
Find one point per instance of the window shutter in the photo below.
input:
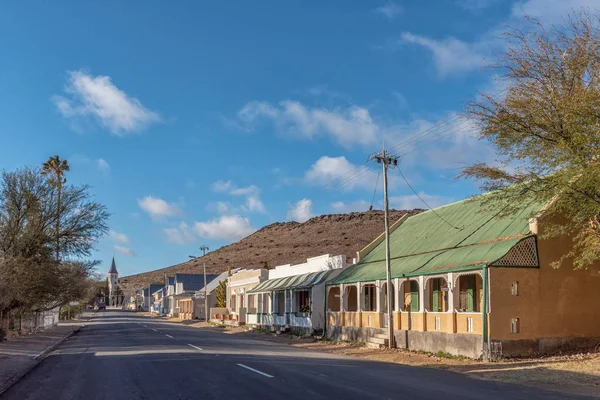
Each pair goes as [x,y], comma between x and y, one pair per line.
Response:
[436,295]
[470,292]
[414,296]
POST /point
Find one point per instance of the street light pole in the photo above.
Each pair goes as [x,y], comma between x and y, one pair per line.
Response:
[204,249]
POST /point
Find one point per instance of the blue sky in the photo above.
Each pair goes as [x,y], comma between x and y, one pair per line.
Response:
[202,122]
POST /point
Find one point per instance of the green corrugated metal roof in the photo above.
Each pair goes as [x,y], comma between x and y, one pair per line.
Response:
[291,282]
[425,244]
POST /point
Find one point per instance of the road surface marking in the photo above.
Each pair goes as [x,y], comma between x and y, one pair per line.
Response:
[196,347]
[255,370]
[144,326]
[169,336]
[154,330]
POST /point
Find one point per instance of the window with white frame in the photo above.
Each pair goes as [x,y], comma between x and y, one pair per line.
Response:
[266,305]
[302,301]
[515,325]
[469,324]
[232,302]
[279,303]
[370,297]
[514,288]
[251,301]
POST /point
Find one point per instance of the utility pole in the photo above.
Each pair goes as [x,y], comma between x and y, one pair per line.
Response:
[386,160]
[204,249]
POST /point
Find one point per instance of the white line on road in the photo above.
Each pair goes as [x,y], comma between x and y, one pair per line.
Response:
[255,370]
[169,336]
[144,326]
[196,347]
[154,330]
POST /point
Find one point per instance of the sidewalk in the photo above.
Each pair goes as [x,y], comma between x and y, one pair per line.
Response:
[20,355]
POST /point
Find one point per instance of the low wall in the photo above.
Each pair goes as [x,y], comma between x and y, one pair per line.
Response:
[468,345]
[527,347]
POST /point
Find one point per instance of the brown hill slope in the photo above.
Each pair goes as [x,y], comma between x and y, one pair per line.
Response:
[282,243]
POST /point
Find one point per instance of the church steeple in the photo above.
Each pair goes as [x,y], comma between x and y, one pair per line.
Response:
[113,267]
[113,284]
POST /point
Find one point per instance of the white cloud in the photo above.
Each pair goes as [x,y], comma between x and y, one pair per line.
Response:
[390,10]
[157,208]
[180,235]
[252,194]
[348,126]
[450,55]
[102,165]
[124,250]
[118,237]
[474,5]
[356,206]
[223,207]
[402,102]
[550,11]
[300,211]
[221,186]
[227,227]
[340,174]
[410,202]
[96,96]
[244,191]
[254,204]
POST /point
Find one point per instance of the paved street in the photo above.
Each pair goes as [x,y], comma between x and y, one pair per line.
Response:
[121,355]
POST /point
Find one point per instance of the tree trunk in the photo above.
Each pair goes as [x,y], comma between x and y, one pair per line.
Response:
[58,222]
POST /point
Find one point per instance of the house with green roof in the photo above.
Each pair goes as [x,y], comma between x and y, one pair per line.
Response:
[468,279]
[293,295]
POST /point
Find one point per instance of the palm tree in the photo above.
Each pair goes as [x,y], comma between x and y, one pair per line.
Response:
[56,168]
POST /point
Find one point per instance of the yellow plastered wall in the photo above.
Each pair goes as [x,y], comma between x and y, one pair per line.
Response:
[552,303]
[504,306]
[462,324]
[375,319]
[446,322]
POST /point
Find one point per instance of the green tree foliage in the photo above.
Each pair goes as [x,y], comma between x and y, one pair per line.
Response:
[56,168]
[33,277]
[545,126]
[221,294]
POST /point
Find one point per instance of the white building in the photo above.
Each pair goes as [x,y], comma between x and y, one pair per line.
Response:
[115,298]
[293,296]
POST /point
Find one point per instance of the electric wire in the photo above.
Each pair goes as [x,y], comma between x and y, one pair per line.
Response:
[424,202]
[375,190]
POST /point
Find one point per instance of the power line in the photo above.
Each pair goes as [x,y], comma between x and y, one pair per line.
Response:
[375,191]
[360,170]
[424,202]
[426,131]
[449,131]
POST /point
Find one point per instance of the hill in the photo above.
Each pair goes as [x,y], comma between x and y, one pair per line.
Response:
[282,243]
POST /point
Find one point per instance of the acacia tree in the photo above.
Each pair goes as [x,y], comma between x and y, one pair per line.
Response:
[545,125]
[31,278]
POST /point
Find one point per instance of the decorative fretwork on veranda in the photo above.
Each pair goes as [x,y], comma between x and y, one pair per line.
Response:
[523,254]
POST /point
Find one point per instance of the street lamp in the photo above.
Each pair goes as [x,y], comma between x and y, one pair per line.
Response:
[204,249]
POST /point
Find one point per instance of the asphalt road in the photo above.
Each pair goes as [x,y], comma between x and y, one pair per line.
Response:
[121,355]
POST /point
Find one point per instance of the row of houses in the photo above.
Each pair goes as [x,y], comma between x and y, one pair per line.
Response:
[466,280]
